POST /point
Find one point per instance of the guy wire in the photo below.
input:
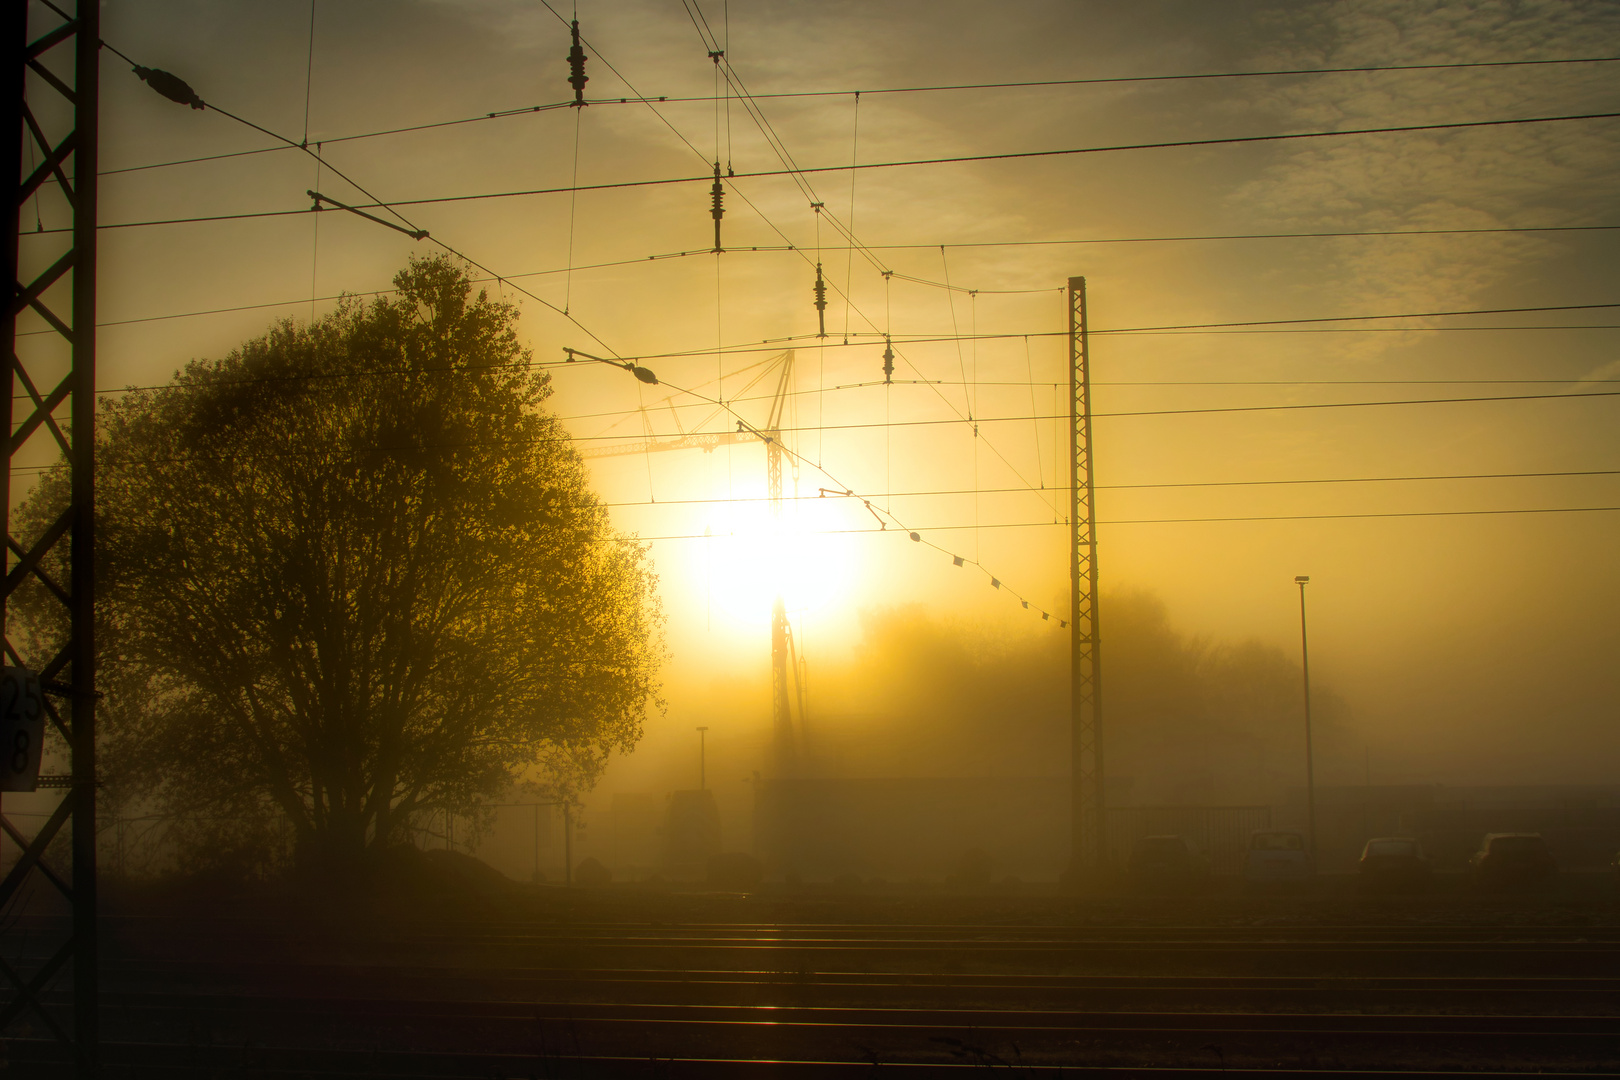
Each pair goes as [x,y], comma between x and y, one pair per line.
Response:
[309,75]
[726,11]
[849,251]
[315,243]
[573,202]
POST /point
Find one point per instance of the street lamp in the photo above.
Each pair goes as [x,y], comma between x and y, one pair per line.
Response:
[703,740]
[1310,765]
[635,369]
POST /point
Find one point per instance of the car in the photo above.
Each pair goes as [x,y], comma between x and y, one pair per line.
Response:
[1277,858]
[1513,859]
[1163,861]
[1393,862]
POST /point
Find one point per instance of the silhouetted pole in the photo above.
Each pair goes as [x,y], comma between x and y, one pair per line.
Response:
[1310,764]
[537,841]
[568,844]
[1088,824]
[62,126]
[786,751]
[703,735]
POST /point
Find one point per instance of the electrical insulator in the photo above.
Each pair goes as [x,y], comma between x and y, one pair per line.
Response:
[170,86]
[888,363]
[576,70]
[718,209]
[821,301]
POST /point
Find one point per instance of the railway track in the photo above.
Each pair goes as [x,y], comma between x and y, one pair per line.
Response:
[840,999]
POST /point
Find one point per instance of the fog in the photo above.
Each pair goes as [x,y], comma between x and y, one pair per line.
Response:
[922,695]
[1464,584]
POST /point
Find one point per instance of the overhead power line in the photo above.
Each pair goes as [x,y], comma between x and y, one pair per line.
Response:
[1191,77]
[1047,525]
[1169,521]
[1018,155]
[1178,412]
[417,448]
[798,173]
[526,110]
[176,89]
[1163,486]
[778,343]
[921,339]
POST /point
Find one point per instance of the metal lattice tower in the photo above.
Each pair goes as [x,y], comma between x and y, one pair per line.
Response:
[54,89]
[781,699]
[1088,808]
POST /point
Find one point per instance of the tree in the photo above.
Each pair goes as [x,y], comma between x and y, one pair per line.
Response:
[353,572]
[1185,719]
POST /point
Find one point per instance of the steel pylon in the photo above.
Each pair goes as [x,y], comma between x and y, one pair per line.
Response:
[54,90]
[1088,821]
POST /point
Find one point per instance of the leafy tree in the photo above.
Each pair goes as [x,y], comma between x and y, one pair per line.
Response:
[1186,719]
[353,573]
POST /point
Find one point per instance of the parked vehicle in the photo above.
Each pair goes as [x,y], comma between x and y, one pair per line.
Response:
[1164,862]
[1393,862]
[1513,859]
[1277,858]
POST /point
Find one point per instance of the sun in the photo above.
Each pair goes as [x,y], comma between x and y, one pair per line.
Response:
[751,558]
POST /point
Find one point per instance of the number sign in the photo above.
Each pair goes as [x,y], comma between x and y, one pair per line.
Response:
[22,729]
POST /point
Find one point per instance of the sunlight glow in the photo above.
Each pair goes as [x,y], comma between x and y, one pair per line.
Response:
[752,558]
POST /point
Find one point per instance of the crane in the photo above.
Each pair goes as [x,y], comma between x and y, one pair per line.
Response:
[786,735]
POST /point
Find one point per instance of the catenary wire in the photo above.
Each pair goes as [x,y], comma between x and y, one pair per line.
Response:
[527,109]
[360,188]
[411,227]
[1170,486]
[1167,521]
[1021,418]
[1016,155]
[772,225]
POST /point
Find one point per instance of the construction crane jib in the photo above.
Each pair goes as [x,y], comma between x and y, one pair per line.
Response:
[787,682]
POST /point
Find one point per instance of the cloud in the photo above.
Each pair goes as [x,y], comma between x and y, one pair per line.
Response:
[1552,174]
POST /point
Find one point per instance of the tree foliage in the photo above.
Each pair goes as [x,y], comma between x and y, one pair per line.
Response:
[353,572]
[1184,719]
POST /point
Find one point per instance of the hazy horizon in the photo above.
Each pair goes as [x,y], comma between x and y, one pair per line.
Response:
[1472,648]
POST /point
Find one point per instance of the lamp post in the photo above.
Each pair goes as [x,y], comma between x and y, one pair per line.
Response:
[1310,765]
[703,739]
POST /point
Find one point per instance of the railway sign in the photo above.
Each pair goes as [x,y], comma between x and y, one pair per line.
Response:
[22,729]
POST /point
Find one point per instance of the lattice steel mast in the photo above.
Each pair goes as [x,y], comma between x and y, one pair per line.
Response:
[781,700]
[786,737]
[1088,810]
[68,274]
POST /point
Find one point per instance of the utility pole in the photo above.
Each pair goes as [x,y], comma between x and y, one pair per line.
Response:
[703,736]
[568,844]
[1310,761]
[67,51]
[1088,807]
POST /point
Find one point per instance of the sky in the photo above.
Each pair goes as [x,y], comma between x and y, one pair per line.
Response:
[1476,647]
